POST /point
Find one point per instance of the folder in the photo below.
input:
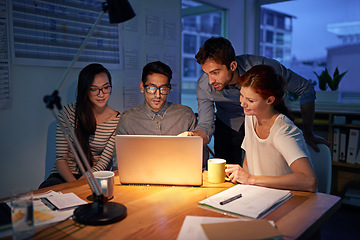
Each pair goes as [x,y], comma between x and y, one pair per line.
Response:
[253,229]
[353,146]
[336,144]
[357,160]
[343,139]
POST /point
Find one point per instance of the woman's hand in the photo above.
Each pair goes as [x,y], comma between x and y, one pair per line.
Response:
[237,174]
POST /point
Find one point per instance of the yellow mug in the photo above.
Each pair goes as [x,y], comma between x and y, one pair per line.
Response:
[216,170]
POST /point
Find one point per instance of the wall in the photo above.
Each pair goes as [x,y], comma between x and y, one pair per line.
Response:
[24,127]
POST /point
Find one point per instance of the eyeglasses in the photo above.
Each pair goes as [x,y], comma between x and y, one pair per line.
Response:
[151,89]
[96,91]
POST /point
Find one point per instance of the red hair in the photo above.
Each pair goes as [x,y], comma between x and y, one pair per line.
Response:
[267,82]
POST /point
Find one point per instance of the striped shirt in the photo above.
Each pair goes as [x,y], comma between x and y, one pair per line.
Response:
[101,144]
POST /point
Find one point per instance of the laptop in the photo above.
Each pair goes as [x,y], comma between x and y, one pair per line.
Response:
[159,160]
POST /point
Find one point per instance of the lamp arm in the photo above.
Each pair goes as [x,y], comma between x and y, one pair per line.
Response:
[54,99]
[87,173]
[80,50]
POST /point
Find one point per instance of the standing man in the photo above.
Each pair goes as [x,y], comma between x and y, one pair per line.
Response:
[156,116]
[217,87]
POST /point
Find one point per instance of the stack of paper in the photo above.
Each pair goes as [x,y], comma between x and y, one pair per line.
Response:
[254,201]
[50,207]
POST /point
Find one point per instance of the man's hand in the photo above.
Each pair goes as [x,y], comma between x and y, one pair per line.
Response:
[187,133]
[307,113]
[196,133]
[312,139]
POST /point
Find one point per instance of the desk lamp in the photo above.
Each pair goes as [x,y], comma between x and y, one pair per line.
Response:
[100,212]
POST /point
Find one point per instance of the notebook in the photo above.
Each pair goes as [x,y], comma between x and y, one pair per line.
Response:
[159,160]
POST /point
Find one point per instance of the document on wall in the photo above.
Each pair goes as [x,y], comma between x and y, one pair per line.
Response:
[5,91]
[247,200]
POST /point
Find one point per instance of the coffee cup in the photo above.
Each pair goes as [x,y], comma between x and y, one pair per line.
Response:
[216,170]
[106,182]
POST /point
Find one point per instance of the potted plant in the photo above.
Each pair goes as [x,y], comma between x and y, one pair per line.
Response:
[325,81]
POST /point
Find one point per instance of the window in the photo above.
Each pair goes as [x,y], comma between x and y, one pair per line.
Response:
[280,21]
[279,38]
[270,19]
[269,36]
[330,39]
[189,43]
[189,66]
[269,52]
[279,53]
[275,36]
[200,22]
[288,23]
[189,23]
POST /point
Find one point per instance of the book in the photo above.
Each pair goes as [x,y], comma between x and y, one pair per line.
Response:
[336,144]
[254,202]
[342,148]
[353,145]
[339,119]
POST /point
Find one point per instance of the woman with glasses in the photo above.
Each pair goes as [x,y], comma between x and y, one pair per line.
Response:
[94,124]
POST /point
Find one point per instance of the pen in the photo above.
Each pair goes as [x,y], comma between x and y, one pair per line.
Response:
[231,199]
[49,204]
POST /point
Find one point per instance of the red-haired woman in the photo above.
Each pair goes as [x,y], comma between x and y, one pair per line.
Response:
[275,151]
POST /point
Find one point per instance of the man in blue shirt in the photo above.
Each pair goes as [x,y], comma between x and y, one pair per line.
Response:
[217,87]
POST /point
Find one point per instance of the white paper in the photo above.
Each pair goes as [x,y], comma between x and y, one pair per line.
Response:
[255,201]
[67,200]
[58,216]
[192,230]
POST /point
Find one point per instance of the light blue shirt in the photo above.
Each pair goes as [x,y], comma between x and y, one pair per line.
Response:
[227,102]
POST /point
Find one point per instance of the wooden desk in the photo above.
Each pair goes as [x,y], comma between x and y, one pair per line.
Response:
[158,212]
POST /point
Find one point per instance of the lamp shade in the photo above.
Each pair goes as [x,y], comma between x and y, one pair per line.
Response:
[119,10]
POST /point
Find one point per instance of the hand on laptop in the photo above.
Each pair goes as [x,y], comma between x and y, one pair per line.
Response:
[196,133]
[187,133]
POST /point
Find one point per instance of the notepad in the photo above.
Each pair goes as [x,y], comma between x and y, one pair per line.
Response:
[65,201]
[255,201]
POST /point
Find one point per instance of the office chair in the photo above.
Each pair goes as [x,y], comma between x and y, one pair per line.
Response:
[322,166]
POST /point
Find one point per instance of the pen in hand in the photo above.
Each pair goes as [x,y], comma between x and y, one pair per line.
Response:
[231,199]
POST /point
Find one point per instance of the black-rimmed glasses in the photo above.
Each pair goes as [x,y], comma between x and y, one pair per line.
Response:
[96,91]
[151,89]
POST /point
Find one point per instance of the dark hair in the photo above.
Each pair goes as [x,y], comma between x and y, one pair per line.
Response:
[85,122]
[156,67]
[218,49]
[266,82]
